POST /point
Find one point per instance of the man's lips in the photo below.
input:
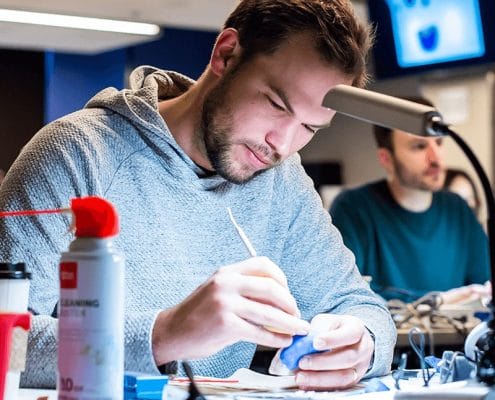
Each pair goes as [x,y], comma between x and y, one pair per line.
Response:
[433,171]
[261,158]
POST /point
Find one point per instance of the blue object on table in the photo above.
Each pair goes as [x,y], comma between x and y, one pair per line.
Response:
[144,386]
[375,385]
[432,362]
[300,347]
[482,315]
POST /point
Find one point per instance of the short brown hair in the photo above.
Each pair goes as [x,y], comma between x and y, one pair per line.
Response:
[383,136]
[339,37]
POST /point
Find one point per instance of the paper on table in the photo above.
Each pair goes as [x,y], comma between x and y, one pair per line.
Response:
[253,380]
[37,394]
[245,380]
[249,383]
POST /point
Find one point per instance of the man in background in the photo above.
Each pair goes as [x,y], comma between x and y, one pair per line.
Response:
[172,155]
[406,234]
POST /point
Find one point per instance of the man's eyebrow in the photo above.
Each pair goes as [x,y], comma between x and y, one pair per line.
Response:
[283,96]
[285,99]
[417,141]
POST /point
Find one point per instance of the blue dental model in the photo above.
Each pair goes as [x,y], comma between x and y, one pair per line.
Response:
[301,346]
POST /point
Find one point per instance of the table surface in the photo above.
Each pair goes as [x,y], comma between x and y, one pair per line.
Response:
[443,332]
[412,389]
[444,336]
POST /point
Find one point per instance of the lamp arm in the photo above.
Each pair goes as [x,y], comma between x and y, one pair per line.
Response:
[485,335]
[488,193]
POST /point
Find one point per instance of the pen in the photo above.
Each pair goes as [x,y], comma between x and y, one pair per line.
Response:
[243,236]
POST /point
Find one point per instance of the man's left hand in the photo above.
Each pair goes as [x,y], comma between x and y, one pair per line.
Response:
[348,349]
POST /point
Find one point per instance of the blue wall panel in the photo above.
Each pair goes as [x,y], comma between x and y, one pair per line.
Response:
[180,50]
[71,80]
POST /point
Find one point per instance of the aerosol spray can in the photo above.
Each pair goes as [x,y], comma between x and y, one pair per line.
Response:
[91,308]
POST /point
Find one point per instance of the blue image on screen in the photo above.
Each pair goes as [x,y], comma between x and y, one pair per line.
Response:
[436,31]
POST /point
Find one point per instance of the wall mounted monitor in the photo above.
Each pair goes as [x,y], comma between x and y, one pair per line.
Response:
[421,35]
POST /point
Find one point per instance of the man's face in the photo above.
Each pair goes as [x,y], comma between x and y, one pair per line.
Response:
[418,162]
[266,109]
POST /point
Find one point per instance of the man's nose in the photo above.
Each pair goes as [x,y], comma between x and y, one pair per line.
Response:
[281,138]
[435,153]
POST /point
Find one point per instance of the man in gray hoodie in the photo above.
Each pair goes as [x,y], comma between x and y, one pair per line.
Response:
[172,154]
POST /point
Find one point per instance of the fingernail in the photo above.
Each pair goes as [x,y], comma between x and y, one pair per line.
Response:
[303,329]
[304,363]
[319,344]
[301,379]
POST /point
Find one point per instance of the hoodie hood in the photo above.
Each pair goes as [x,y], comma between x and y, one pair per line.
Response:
[139,103]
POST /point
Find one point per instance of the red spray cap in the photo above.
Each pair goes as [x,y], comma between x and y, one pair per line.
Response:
[94,217]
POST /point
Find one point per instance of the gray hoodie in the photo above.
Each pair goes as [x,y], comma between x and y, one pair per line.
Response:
[175,230]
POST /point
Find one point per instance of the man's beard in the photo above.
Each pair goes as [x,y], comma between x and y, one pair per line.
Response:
[215,130]
[415,181]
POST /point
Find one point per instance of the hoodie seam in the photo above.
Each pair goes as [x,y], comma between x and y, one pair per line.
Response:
[109,113]
[128,157]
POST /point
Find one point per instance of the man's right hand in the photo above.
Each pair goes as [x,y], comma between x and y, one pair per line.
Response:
[248,301]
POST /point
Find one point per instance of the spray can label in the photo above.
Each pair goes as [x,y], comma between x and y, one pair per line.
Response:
[91,327]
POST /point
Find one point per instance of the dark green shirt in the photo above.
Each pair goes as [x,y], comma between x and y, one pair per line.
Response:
[411,253]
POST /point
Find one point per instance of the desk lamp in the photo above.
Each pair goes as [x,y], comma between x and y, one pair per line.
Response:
[421,120]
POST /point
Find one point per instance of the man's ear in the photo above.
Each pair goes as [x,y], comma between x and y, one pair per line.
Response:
[226,51]
[385,158]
